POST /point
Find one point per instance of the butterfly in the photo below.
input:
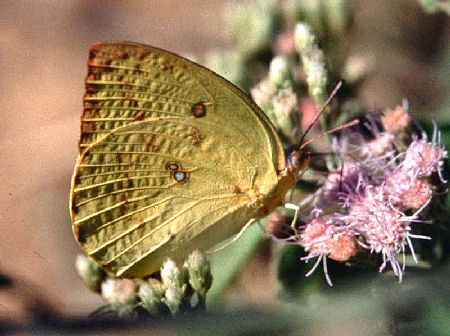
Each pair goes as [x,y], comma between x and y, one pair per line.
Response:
[172,158]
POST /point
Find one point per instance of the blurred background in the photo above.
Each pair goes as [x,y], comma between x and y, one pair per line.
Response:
[44,47]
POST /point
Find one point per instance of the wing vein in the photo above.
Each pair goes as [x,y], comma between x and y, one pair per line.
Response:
[160,226]
[165,240]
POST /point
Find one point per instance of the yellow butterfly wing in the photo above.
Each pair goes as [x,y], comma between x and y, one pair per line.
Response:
[173,158]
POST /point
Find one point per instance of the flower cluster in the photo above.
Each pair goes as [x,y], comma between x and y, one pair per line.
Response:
[373,195]
[276,96]
[180,288]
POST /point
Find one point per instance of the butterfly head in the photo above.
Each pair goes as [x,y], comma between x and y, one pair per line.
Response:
[297,159]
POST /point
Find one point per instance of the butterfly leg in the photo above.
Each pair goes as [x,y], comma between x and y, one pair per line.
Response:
[296,208]
[235,238]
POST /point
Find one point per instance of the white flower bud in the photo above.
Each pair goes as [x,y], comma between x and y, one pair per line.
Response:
[151,294]
[279,70]
[119,291]
[174,297]
[304,37]
[198,267]
[91,274]
[170,274]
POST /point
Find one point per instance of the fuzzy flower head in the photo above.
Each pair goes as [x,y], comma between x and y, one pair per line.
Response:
[396,120]
[381,226]
[319,238]
[378,146]
[407,191]
[343,180]
[324,240]
[423,158]
[373,195]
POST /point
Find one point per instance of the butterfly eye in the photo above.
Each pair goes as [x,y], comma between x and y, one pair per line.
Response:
[199,110]
[180,176]
[299,160]
[173,166]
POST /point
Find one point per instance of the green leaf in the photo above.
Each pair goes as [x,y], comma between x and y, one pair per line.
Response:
[227,263]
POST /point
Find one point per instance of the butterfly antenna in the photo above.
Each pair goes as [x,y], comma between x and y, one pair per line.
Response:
[336,89]
[349,124]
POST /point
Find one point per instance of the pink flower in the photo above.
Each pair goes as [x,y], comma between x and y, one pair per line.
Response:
[324,240]
[379,145]
[407,191]
[367,198]
[309,111]
[285,43]
[422,158]
[395,121]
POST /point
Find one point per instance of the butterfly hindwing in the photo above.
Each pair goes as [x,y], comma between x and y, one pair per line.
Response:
[169,153]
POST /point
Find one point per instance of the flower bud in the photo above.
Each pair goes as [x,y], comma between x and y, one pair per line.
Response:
[199,270]
[151,294]
[279,70]
[396,120]
[171,275]
[119,291]
[316,78]
[304,37]
[313,62]
[263,92]
[285,112]
[90,272]
[378,146]
[279,226]
[174,297]
[423,158]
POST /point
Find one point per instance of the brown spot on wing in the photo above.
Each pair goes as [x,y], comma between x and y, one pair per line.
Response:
[88,127]
[166,66]
[196,136]
[91,113]
[127,159]
[141,55]
[139,115]
[198,110]
[150,143]
[123,55]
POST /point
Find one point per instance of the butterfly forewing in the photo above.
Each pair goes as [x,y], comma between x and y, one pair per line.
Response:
[130,82]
